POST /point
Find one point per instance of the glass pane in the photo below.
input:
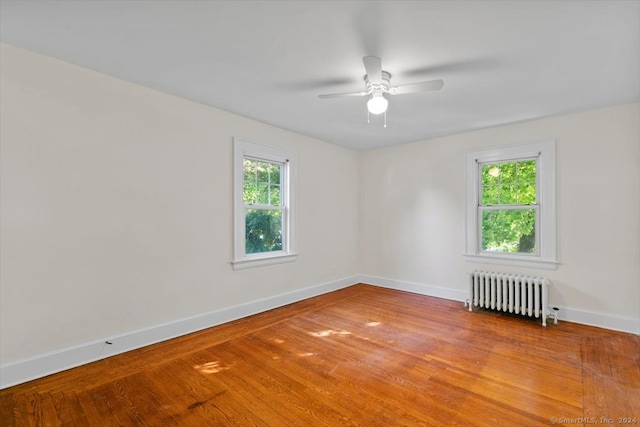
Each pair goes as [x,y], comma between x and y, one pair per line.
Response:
[249,184]
[508,194]
[490,174]
[490,195]
[261,182]
[263,231]
[527,182]
[274,195]
[527,171]
[249,193]
[507,173]
[275,173]
[262,171]
[508,183]
[511,231]
[526,194]
[262,197]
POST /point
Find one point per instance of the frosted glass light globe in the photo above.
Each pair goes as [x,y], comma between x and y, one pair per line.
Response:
[377,104]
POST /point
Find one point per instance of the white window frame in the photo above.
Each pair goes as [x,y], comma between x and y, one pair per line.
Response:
[546,250]
[245,149]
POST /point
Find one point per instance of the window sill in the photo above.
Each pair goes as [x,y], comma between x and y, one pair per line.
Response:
[260,262]
[516,261]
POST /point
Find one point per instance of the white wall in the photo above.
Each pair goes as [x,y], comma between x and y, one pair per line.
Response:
[412,204]
[116,208]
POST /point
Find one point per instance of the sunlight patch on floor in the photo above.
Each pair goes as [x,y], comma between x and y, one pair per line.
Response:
[211,367]
[328,333]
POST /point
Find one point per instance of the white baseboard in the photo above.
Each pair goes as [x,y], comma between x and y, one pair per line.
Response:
[416,288]
[584,317]
[49,363]
[601,320]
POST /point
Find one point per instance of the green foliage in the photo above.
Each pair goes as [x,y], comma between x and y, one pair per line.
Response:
[263,231]
[511,185]
[510,230]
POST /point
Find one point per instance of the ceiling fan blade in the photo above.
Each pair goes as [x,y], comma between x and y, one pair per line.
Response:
[342,95]
[373,66]
[417,87]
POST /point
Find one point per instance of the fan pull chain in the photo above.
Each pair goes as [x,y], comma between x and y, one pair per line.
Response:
[385,118]
[369,118]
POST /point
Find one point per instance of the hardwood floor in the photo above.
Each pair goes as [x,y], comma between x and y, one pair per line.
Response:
[362,356]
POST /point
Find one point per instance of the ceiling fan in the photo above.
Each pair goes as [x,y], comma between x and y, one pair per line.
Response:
[377,83]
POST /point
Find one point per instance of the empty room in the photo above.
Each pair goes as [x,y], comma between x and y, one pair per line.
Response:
[319,213]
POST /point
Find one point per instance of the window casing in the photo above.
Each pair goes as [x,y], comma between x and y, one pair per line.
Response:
[511,209]
[264,221]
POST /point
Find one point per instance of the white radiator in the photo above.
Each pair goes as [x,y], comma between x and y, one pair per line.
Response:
[512,293]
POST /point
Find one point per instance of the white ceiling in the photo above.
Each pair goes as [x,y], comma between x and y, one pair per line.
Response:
[502,61]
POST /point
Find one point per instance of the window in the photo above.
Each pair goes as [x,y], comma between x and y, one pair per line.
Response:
[507,207]
[511,205]
[264,226]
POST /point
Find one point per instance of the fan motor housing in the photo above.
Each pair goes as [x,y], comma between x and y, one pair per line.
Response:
[384,85]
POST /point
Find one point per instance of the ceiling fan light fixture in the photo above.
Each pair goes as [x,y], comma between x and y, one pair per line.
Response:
[377,104]
[378,82]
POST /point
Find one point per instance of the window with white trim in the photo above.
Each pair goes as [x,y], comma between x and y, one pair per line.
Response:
[511,212]
[264,222]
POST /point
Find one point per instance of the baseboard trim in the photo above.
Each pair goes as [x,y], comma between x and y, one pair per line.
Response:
[584,317]
[50,363]
[416,288]
[600,320]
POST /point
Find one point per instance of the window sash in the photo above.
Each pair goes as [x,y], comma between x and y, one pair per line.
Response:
[285,230]
[283,234]
[281,184]
[480,164]
[535,208]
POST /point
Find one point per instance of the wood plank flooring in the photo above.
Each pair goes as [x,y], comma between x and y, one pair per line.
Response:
[361,356]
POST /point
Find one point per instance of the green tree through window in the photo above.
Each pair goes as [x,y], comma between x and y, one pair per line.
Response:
[508,206]
[263,205]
